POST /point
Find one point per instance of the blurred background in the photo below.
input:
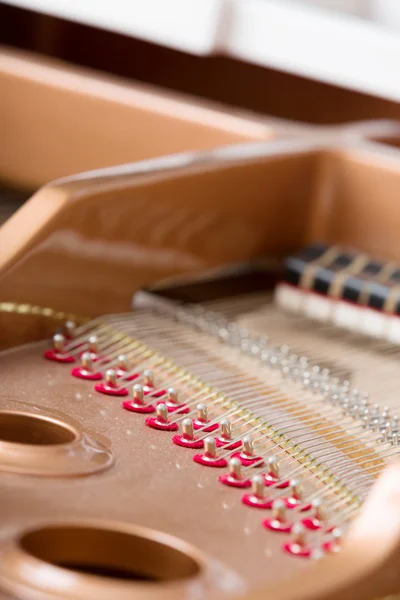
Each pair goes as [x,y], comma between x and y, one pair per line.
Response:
[91,83]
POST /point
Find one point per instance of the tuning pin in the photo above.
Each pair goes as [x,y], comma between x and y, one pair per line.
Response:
[149,385]
[188,430]
[138,395]
[278,522]
[273,467]
[299,534]
[248,446]
[173,404]
[86,361]
[69,329]
[111,387]
[257,498]
[315,521]
[148,381]
[111,378]
[160,421]
[298,546]
[187,438]
[386,432]
[225,438]
[86,371]
[273,474]
[226,430]
[122,369]
[202,419]
[210,457]
[247,454]
[334,544]
[138,404]
[122,363]
[58,352]
[93,347]
[295,496]
[162,413]
[235,478]
[59,343]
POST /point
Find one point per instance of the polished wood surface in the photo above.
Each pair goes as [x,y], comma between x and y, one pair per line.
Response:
[83,244]
[104,236]
[57,120]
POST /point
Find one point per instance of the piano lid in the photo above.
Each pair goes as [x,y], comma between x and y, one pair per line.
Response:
[354,44]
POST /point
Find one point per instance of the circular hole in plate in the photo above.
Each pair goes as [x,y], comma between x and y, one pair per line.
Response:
[44,445]
[23,428]
[136,556]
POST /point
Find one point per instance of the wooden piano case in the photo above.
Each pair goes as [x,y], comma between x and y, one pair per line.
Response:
[131,186]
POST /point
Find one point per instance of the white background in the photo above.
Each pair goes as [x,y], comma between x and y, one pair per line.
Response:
[351,43]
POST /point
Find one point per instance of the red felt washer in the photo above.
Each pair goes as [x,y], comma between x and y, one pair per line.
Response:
[154,393]
[228,479]
[181,440]
[122,373]
[292,502]
[61,357]
[277,525]
[94,356]
[254,502]
[248,461]
[154,423]
[227,444]
[143,409]
[202,459]
[312,523]
[197,424]
[297,549]
[272,480]
[109,390]
[331,546]
[180,409]
[83,374]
